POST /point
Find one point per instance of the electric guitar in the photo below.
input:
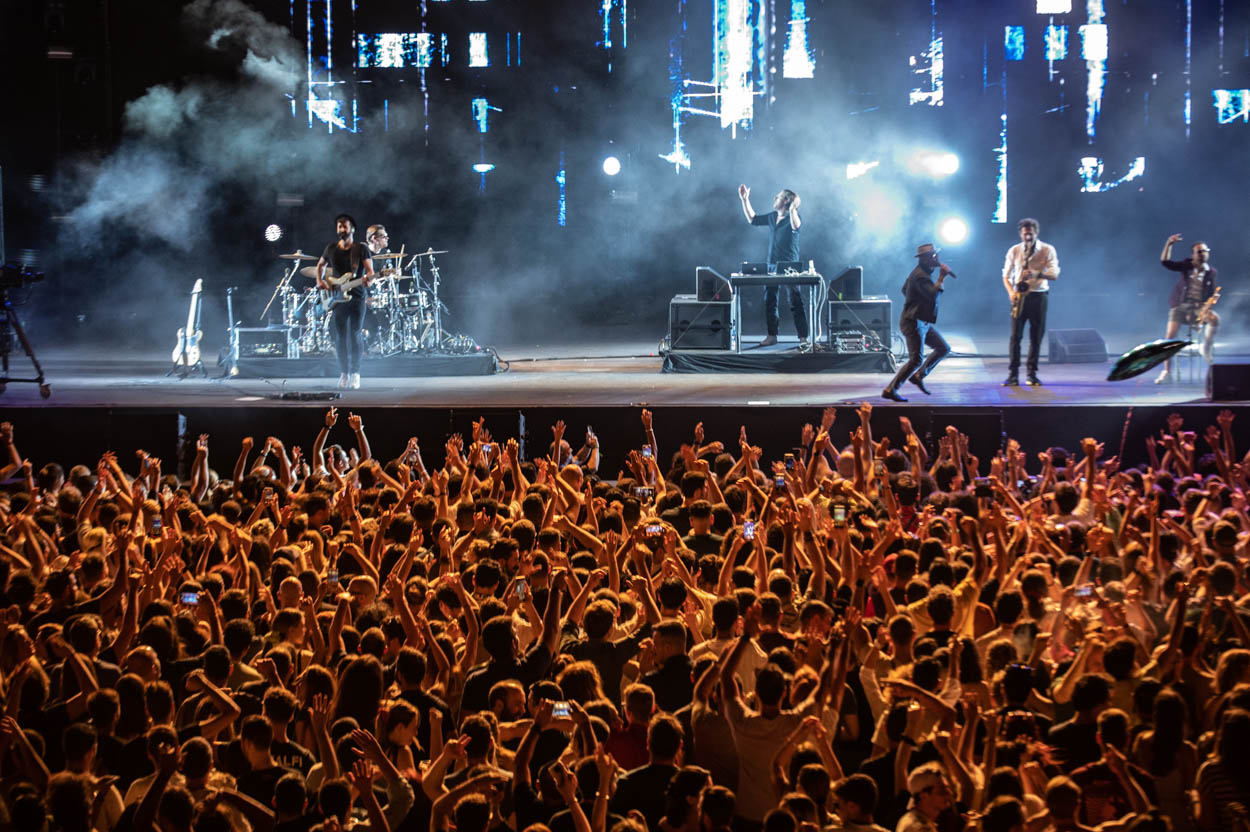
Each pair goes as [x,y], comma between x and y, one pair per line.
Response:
[340,286]
[187,351]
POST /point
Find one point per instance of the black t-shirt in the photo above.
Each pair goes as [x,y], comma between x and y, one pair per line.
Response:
[1076,742]
[702,544]
[783,241]
[347,260]
[292,755]
[259,784]
[643,789]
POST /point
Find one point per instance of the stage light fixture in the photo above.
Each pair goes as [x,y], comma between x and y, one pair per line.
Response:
[483,167]
[611,166]
[273,232]
[953,230]
[935,164]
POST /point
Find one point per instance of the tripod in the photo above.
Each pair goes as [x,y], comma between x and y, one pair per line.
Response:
[11,325]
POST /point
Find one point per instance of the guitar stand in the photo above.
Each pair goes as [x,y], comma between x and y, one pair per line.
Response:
[9,321]
[183,370]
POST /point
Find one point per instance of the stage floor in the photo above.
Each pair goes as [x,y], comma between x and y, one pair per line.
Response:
[622,371]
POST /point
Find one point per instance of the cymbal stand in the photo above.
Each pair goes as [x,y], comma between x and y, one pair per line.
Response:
[438,306]
[282,284]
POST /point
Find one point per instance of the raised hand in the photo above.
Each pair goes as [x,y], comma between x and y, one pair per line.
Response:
[744,192]
[355,422]
[646,420]
[332,417]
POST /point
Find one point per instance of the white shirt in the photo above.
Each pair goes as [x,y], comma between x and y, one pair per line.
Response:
[1043,261]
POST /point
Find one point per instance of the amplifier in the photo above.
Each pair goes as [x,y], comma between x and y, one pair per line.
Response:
[276,342]
[872,314]
[699,325]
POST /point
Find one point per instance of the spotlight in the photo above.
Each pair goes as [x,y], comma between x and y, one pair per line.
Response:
[611,166]
[273,233]
[934,164]
[953,230]
[483,167]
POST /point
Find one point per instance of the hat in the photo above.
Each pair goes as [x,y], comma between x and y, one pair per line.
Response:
[926,248]
[924,777]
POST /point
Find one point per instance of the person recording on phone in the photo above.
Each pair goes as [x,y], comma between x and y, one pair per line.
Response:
[917,322]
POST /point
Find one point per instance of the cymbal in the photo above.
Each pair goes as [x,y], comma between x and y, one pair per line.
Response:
[431,251]
[299,255]
[309,271]
[390,255]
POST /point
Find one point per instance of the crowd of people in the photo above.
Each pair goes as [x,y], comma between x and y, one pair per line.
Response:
[855,637]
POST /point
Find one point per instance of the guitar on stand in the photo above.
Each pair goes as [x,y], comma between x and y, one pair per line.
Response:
[228,360]
[186,355]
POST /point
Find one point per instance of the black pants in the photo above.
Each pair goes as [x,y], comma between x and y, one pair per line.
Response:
[772,311]
[1032,311]
[349,340]
[918,334]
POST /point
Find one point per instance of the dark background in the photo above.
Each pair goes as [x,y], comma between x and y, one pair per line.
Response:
[156,150]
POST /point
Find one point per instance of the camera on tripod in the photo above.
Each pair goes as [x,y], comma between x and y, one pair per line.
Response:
[18,276]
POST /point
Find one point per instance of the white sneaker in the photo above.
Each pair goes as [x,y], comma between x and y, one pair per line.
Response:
[343,381]
[1164,377]
[354,383]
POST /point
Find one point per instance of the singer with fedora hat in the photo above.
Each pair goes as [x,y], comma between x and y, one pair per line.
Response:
[920,293]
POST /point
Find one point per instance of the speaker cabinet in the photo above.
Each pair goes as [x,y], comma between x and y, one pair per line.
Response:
[872,314]
[1075,346]
[1228,382]
[849,285]
[694,325]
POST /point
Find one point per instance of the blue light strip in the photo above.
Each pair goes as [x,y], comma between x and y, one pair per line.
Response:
[561,205]
[1189,76]
[1094,49]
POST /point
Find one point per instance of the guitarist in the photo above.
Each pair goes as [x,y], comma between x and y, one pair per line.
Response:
[1192,297]
[1027,272]
[346,257]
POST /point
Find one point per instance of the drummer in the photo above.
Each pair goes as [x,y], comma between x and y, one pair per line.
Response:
[377,239]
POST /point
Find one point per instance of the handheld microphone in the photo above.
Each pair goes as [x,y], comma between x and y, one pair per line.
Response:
[947,271]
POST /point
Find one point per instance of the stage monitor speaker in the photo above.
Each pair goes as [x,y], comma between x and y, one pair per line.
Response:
[1075,346]
[872,314]
[695,325]
[849,285]
[711,285]
[276,342]
[1228,382]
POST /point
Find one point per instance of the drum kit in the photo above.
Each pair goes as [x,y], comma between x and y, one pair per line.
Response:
[403,315]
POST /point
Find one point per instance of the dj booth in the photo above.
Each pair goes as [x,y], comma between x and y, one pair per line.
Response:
[705,331]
